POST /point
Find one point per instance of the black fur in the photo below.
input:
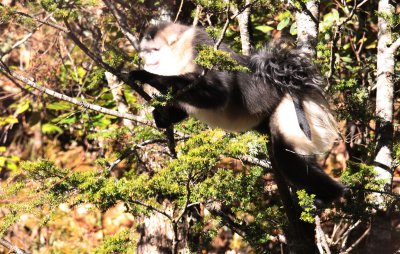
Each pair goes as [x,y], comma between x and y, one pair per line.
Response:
[303,171]
[165,116]
[274,72]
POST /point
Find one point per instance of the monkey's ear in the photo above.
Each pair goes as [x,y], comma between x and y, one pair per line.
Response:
[172,39]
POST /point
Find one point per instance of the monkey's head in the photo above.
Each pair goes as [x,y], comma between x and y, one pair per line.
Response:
[168,49]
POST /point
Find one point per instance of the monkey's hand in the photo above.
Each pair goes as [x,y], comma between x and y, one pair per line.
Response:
[140,75]
[165,116]
[157,81]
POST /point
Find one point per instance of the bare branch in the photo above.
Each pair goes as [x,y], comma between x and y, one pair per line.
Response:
[197,14]
[256,161]
[132,150]
[93,56]
[179,11]
[12,247]
[321,239]
[188,193]
[121,20]
[358,241]
[23,40]
[221,37]
[150,207]
[56,26]
[335,39]
[83,104]
[229,19]
[395,46]
[115,87]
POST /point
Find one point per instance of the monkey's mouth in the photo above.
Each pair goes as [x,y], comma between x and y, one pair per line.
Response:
[151,65]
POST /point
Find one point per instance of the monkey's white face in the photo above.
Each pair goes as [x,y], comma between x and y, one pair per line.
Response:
[168,55]
[158,59]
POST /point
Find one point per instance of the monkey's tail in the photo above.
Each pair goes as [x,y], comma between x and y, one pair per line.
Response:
[303,171]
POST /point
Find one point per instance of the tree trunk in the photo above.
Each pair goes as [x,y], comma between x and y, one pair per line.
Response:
[379,240]
[384,97]
[244,21]
[307,27]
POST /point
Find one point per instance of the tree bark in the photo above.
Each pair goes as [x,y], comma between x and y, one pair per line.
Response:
[384,97]
[244,21]
[379,240]
[307,27]
[116,90]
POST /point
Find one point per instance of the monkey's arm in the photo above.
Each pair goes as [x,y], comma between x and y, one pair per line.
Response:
[165,116]
[208,91]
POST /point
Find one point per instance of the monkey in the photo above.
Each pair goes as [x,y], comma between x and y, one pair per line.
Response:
[280,95]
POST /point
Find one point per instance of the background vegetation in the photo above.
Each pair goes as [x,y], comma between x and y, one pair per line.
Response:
[85,170]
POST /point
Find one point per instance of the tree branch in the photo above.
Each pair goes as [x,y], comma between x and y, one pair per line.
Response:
[94,57]
[179,11]
[132,150]
[12,75]
[12,247]
[395,46]
[25,38]
[320,236]
[121,20]
[148,206]
[53,25]
[366,232]
[337,29]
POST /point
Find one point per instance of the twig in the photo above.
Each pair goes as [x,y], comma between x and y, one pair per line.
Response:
[12,247]
[87,51]
[121,20]
[176,220]
[348,250]
[95,58]
[115,87]
[12,75]
[188,193]
[197,14]
[179,11]
[395,46]
[58,27]
[346,234]
[148,206]
[132,150]
[228,20]
[24,39]
[321,239]
[335,39]
[256,161]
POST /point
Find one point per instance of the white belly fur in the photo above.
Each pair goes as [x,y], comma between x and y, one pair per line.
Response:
[323,127]
[220,118]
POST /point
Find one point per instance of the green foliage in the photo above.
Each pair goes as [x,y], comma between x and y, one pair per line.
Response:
[361,176]
[150,180]
[8,162]
[212,5]
[113,58]
[11,15]
[121,242]
[210,59]
[306,201]
[69,10]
